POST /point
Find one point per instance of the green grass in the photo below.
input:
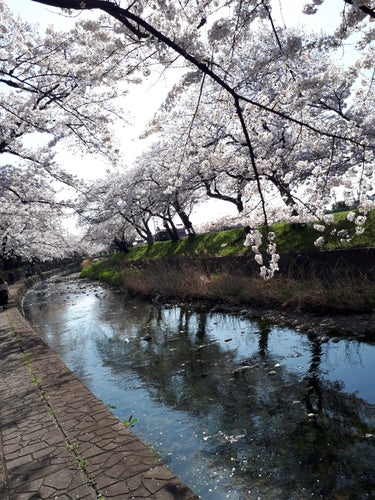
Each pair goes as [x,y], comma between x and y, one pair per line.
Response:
[220,243]
[112,275]
[289,238]
[301,237]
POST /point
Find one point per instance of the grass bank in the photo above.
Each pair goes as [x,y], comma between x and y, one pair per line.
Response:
[289,238]
[179,271]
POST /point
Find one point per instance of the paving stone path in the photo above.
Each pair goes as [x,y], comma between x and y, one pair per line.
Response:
[57,440]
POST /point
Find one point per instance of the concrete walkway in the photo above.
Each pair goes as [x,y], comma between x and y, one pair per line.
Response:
[57,440]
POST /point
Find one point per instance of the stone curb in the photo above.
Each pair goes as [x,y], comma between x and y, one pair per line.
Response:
[57,440]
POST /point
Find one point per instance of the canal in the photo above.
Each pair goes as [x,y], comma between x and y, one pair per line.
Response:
[238,409]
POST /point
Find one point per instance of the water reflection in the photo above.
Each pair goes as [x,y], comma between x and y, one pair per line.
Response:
[238,409]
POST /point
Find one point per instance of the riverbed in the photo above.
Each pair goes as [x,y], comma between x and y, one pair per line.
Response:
[239,409]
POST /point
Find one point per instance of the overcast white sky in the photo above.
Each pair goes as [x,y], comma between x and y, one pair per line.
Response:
[290,11]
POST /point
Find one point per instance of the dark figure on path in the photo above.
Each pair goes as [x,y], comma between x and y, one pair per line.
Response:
[11,278]
[4,293]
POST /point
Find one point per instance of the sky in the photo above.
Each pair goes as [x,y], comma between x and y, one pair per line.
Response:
[289,11]
[286,11]
[143,101]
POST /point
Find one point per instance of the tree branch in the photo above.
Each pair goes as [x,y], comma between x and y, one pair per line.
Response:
[364,8]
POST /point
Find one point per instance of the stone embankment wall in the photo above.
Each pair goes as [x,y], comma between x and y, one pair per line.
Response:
[57,440]
[350,263]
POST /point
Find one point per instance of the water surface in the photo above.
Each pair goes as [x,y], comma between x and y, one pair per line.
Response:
[238,409]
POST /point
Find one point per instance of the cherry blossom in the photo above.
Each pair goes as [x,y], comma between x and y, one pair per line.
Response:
[264,117]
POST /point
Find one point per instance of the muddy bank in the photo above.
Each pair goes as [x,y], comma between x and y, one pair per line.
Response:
[315,292]
[353,325]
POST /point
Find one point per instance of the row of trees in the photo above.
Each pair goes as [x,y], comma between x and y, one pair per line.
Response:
[263,117]
[302,135]
[58,90]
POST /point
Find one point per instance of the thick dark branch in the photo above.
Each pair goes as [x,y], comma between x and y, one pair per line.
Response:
[22,200]
[68,4]
[241,178]
[106,6]
[270,18]
[370,11]
[10,83]
[26,199]
[252,157]
[237,201]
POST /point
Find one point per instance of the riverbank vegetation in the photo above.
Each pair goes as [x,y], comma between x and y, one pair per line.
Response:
[182,271]
[192,283]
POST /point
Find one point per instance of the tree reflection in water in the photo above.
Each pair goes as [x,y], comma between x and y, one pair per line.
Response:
[265,425]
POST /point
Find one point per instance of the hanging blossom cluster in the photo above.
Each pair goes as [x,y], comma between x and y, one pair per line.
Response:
[311,8]
[359,221]
[268,260]
[345,235]
[321,228]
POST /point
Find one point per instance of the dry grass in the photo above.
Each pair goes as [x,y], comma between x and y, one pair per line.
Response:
[86,263]
[343,295]
[168,282]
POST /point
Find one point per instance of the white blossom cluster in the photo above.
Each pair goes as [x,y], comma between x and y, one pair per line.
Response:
[268,266]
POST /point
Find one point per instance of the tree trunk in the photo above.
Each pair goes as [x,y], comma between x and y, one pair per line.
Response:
[121,245]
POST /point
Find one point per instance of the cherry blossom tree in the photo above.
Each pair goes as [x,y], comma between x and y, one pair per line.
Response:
[296,117]
[197,147]
[165,182]
[113,234]
[56,89]
[289,156]
[175,32]
[130,201]
[116,210]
